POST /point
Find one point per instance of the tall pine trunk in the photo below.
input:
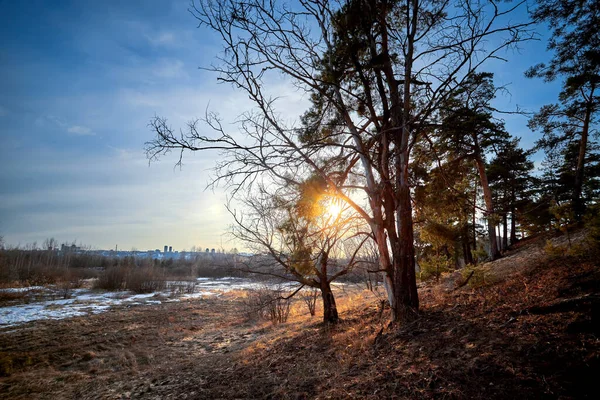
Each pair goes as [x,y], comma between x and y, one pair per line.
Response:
[489,208]
[578,204]
[405,280]
[513,219]
[404,277]
[504,232]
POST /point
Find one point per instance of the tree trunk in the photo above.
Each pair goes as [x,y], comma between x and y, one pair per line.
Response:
[578,205]
[404,277]
[330,312]
[466,245]
[504,232]
[474,216]
[489,207]
[405,280]
[513,219]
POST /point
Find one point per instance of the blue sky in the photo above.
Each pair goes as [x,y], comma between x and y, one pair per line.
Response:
[79,82]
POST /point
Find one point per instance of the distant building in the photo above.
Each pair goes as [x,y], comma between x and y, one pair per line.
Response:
[166,248]
[170,249]
[69,249]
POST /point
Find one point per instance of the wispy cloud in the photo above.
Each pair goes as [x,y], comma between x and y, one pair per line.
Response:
[73,129]
[165,38]
[79,130]
[3,111]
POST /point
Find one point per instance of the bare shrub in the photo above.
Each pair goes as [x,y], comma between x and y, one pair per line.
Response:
[184,287]
[144,280]
[112,278]
[309,297]
[71,280]
[267,304]
[40,275]
[9,296]
[190,287]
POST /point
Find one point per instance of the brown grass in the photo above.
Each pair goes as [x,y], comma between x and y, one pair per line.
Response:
[529,334]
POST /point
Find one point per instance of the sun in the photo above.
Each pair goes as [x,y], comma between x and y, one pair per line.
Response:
[333,209]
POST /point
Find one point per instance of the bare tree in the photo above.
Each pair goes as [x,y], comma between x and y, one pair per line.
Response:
[304,243]
[377,72]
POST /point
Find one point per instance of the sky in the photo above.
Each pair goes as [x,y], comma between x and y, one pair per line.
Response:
[79,82]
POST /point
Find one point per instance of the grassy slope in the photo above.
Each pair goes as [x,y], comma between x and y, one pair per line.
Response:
[515,337]
[529,329]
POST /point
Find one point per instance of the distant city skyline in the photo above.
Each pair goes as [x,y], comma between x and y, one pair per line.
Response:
[80,80]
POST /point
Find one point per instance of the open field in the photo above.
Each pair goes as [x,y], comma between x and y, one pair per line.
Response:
[149,351]
[532,332]
[25,304]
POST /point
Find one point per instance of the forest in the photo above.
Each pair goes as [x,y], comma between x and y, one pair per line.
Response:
[430,253]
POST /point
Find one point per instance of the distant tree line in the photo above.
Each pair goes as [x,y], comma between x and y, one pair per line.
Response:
[31,265]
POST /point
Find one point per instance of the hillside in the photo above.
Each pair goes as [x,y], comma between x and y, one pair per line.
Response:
[525,326]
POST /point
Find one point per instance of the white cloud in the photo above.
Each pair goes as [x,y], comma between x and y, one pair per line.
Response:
[161,39]
[80,130]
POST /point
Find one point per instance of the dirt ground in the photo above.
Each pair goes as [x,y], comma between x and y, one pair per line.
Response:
[533,333]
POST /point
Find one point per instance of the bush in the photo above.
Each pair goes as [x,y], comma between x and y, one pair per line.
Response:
[480,255]
[476,276]
[434,266]
[112,278]
[267,304]
[553,250]
[144,280]
[185,287]
[72,279]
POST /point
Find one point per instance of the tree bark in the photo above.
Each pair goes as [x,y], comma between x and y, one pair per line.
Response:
[404,276]
[330,312]
[466,245]
[513,219]
[474,217]
[504,232]
[489,207]
[578,205]
[405,280]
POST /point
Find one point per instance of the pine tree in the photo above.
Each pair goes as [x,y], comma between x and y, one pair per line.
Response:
[509,173]
[468,131]
[575,42]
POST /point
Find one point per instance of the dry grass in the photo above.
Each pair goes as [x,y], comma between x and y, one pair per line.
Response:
[531,334]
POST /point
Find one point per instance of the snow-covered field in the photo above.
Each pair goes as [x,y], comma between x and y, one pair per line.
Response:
[46,303]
